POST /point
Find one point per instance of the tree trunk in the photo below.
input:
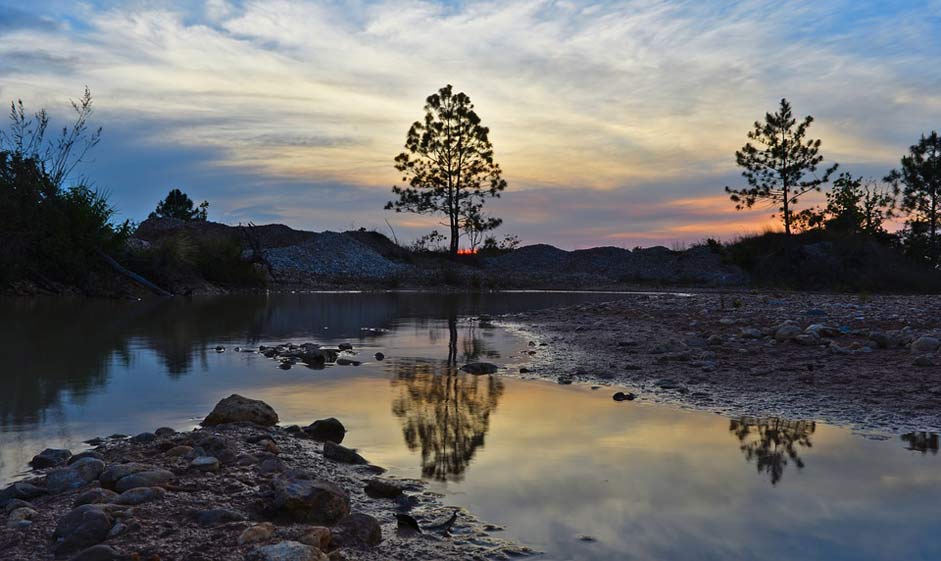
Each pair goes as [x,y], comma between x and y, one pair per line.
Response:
[455,237]
[787,214]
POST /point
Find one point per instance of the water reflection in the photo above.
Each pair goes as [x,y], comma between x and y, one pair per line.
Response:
[445,413]
[921,441]
[772,442]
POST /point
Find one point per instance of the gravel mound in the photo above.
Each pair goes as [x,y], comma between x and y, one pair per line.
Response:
[333,255]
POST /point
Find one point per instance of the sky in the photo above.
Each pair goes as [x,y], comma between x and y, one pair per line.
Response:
[615,123]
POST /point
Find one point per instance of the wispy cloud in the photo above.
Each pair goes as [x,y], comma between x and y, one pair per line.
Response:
[610,97]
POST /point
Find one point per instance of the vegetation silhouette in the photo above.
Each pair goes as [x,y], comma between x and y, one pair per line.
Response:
[178,205]
[772,442]
[448,167]
[445,413]
[780,166]
[919,180]
[921,441]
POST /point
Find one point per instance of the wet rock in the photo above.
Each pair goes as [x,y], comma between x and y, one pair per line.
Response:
[345,346]
[151,478]
[20,490]
[621,396]
[50,457]
[94,496]
[925,344]
[288,551]
[356,530]
[786,332]
[342,454]
[205,463]
[76,476]
[164,432]
[83,455]
[257,533]
[143,438]
[178,451]
[478,368]
[406,526]
[318,357]
[100,552]
[217,516]
[82,527]
[110,476]
[140,495]
[236,408]
[309,500]
[379,356]
[348,362]
[326,430]
[382,489]
[317,536]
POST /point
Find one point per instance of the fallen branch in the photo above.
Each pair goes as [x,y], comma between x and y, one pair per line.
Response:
[131,274]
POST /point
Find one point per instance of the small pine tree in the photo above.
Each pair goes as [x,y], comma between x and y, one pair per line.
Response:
[919,180]
[179,205]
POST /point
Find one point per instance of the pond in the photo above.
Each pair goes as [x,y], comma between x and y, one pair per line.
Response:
[565,469]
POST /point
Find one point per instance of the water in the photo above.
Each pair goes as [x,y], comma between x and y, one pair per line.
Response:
[564,468]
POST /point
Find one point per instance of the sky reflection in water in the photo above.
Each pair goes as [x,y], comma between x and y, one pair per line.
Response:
[552,463]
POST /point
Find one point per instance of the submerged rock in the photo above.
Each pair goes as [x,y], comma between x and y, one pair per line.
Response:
[479,368]
[326,429]
[236,408]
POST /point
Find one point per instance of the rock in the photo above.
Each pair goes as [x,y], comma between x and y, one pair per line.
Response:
[382,489]
[220,349]
[807,339]
[257,533]
[379,356]
[80,528]
[821,330]
[18,515]
[288,551]
[924,360]
[786,332]
[751,333]
[20,490]
[270,446]
[356,530]
[178,451]
[77,475]
[406,526]
[345,346]
[164,432]
[110,476]
[94,496]
[143,438]
[14,504]
[98,552]
[669,346]
[925,344]
[317,536]
[217,516]
[326,429]
[478,368]
[318,357]
[342,454]
[50,457]
[205,463]
[309,500]
[140,495]
[152,478]
[83,455]
[348,362]
[236,408]
[621,396]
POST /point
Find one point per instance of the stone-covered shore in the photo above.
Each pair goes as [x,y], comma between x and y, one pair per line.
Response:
[238,487]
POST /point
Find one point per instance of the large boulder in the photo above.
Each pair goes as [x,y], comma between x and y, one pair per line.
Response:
[235,409]
[76,476]
[326,429]
[50,457]
[80,528]
[309,500]
[356,530]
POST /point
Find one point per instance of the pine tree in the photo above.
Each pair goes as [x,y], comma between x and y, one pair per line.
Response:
[920,182]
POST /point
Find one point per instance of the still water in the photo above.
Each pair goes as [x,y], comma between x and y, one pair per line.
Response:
[567,470]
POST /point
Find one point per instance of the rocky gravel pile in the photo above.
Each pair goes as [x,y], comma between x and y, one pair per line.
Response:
[333,254]
[870,362]
[240,487]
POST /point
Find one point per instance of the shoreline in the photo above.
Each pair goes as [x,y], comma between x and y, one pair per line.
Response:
[234,490]
[752,354]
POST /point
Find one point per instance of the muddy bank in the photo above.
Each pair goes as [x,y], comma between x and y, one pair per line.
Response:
[238,488]
[873,363]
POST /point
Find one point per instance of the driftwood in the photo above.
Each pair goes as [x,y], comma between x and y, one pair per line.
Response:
[132,275]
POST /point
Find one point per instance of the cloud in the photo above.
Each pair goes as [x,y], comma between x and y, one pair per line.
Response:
[588,104]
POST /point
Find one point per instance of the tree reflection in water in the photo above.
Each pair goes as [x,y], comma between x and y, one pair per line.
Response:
[445,413]
[921,441]
[772,442]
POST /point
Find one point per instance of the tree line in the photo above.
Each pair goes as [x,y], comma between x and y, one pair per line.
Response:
[780,165]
